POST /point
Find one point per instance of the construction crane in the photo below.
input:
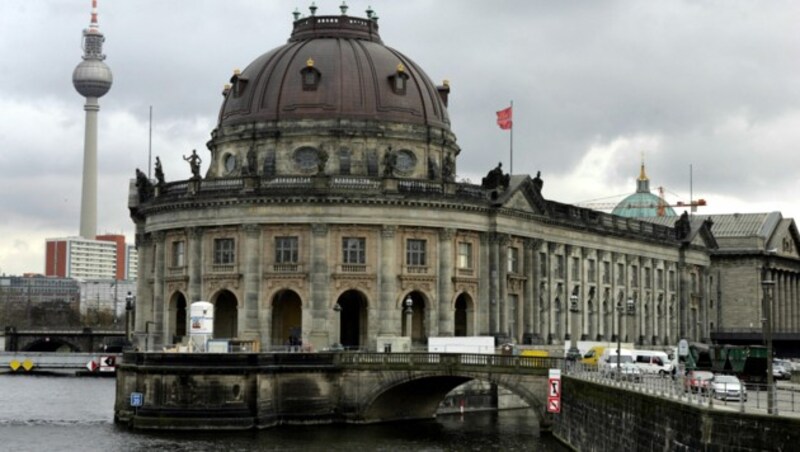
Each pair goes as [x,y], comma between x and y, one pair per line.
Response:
[660,206]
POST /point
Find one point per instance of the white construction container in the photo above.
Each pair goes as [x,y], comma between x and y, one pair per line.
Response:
[201,325]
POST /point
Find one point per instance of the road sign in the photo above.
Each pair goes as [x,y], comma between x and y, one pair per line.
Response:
[555,387]
[137,399]
[91,365]
[553,405]
[554,373]
[107,363]
[683,348]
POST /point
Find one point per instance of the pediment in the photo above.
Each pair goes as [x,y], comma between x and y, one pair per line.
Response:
[523,196]
[785,239]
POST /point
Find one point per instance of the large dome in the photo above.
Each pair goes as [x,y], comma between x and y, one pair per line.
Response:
[334,66]
[643,204]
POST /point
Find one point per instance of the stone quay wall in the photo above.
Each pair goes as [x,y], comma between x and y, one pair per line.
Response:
[599,418]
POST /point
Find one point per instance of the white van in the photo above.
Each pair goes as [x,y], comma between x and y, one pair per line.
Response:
[608,360]
[653,362]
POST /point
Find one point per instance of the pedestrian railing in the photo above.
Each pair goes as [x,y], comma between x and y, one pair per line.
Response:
[754,398]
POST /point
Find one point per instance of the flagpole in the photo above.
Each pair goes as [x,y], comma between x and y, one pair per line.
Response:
[511,143]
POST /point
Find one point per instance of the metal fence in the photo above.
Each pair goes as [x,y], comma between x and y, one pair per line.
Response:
[786,394]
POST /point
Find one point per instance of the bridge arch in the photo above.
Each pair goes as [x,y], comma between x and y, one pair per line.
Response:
[47,344]
[418,395]
[226,308]
[353,319]
[286,324]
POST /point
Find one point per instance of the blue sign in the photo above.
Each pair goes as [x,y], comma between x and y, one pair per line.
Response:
[137,399]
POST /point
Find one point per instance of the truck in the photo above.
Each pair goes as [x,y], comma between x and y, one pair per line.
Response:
[483,345]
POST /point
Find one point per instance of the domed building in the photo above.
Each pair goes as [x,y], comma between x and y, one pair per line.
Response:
[330,213]
[643,203]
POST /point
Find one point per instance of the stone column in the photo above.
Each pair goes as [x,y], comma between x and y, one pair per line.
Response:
[494,291]
[528,300]
[320,305]
[446,307]
[248,316]
[795,301]
[502,283]
[484,287]
[157,339]
[195,263]
[144,287]
[390,323]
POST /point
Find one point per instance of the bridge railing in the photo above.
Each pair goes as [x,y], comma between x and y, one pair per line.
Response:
[465,360]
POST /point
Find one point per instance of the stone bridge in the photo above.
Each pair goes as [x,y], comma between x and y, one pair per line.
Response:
[83,341]
[256,390]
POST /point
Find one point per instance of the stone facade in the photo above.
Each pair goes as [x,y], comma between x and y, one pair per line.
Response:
[330,213]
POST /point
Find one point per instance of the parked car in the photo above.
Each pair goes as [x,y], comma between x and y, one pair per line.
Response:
[728,387]
[698,381]
[781,370]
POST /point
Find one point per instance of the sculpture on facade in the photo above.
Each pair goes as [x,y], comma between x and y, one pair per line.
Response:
[322,161]
[389,163]
[433,168]
[251,169]
[194,163]
[448,168]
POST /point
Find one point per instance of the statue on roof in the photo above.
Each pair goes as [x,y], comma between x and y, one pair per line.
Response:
[496,179]
[194,163]
[683,226]
[159,173]
[143,186]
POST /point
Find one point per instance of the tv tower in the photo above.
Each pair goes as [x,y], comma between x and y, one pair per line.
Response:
[92,78]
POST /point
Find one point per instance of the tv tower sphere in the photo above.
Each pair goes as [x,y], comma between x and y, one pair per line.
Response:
[92,78]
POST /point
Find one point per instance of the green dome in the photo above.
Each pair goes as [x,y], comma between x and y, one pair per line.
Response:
[643,203]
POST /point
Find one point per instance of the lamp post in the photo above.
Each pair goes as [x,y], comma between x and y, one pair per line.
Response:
[766,302]
[129,300]
[620,311]
[573,354]
[407,311]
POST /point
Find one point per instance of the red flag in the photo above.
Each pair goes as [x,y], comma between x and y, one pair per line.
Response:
[504,118]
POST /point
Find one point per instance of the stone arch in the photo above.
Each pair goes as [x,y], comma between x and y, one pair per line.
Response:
[419,315]
[47,344]
[418,395]
[226,307]
[353,319]
[286,324]
[464,316]
[178,313]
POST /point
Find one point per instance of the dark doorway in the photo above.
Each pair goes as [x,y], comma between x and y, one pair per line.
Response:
[353,320]
[287,319]
[225,315]
[178,313]
[463,317]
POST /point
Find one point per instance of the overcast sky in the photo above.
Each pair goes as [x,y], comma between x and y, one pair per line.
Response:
[714,85]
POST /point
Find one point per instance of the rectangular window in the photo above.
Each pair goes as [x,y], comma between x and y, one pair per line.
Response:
[620,274]
[634,276]
[224,251]
[671,280]
[464,255]
[660,279]
[606,272]
[513,260]
[576,269]
[694,282]
[178,253]
[354,250]
[560,267]
[590,271]
[415,253]
[543,265]
[647,282]
[286,250]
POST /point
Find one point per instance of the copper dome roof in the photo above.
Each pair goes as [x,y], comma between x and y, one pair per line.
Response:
[334,67]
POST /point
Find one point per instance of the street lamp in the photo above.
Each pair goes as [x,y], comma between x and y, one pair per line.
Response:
[573,354]
[766,302]
[621,310]
[407,311]
[129,300]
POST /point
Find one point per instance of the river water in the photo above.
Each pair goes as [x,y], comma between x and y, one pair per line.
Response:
[76,414]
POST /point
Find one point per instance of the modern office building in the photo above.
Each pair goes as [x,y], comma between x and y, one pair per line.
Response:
[107,257]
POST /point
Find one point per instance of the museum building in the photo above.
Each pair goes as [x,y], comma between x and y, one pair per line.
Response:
[330,213]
